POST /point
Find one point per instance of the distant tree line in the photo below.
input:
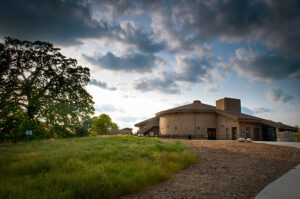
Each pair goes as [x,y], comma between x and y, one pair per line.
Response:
[43,91]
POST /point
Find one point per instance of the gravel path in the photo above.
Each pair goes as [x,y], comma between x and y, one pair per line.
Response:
[226,170]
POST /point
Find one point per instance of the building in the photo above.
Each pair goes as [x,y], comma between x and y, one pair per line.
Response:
[124,131]
[222,122]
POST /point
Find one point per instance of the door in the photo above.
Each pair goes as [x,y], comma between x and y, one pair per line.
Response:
[233,133]
[256,133]
[211,133]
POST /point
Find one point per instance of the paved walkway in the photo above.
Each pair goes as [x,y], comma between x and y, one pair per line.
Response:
[287,186]
[290,144]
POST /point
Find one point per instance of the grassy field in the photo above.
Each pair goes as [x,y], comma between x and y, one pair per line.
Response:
[89,167]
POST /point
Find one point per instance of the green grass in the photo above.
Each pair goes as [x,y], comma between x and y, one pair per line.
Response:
[89,167]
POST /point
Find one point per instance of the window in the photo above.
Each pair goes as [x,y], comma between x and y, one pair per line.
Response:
[198,128]
[175,127]
[168,126]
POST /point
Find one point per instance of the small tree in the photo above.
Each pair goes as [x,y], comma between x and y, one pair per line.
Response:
[40,85]
[102,124]
[297,134]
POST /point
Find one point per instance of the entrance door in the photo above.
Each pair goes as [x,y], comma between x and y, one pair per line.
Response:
[256,133]
[233,133]
[211,133]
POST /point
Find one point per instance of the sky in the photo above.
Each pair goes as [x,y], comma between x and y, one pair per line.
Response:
[148,56]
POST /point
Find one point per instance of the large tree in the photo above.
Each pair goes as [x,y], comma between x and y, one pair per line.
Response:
[40,84]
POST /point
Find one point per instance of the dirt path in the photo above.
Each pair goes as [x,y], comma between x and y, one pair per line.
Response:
[226,170]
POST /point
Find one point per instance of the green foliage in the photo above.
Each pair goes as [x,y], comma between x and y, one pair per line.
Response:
[102,124]
[297,134]
[42,89]
[88,167]
[84,127]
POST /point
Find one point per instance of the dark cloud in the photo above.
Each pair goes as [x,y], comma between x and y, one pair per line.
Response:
[164,84]
[101,85]
[140,38]
[189,70]
[194,69]
[265,66]
[276,95]
[232,19]
[66,22]
[135,62]
[273,23]
[57,21]
[107,108]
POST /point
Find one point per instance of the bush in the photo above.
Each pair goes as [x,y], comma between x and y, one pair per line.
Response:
[297,135]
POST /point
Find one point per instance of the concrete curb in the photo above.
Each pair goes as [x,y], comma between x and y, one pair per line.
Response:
[286,186]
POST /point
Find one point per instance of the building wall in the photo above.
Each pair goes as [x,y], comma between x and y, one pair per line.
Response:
[243,127]
[224,123]
[186,123]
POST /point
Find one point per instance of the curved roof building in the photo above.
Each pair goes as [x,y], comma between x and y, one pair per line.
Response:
[223,121]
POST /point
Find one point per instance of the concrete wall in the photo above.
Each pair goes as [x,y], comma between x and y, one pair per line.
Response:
[222,124]
[186,123]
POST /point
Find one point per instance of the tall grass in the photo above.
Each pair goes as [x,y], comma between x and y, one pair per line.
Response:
[89,167]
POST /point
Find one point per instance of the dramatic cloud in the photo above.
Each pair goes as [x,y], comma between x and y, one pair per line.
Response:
[265,66]
[164,84]
[139,38]
[57,21]
[135,62]
[193,69]
[273,23]
[107,108]
[68,22]
[277,95]
[101,85]
[189,70]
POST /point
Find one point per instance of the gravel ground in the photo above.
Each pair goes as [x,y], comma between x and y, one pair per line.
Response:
[226,170]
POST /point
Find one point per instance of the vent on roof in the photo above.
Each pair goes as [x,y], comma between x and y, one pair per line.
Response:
[197,101]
